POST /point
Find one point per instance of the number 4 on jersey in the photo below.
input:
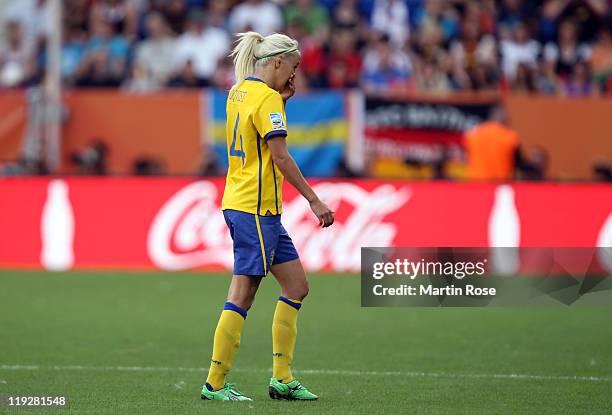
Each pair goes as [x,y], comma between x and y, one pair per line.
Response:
[233,150]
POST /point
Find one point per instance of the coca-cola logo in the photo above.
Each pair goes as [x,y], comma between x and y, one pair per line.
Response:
[189,230]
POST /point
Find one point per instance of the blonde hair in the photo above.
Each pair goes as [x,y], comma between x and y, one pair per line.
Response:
[254,49]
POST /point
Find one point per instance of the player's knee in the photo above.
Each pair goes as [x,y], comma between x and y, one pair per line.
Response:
[303,290]
[297,290]
[244,301]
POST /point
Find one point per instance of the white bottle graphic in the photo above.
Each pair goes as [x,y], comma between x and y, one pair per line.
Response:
[504,232]
[57,228]
[604,244]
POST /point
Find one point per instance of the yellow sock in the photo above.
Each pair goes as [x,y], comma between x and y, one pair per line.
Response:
[284,332]
[225,345]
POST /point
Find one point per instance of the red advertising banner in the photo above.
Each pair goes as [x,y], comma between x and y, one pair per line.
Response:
[176,224]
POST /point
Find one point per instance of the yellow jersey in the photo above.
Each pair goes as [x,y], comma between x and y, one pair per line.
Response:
[255,113]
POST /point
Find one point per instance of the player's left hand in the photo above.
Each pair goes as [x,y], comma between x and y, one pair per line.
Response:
[323,213]
[289,89]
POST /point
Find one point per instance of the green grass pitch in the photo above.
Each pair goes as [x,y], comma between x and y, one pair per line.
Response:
[139,343]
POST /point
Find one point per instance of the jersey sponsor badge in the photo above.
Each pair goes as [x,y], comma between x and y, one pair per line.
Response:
[276,119]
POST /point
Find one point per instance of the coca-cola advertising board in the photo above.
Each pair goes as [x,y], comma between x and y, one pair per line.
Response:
[176,223]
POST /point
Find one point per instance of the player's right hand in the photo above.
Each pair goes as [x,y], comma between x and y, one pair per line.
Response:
[322,212]
[289,89]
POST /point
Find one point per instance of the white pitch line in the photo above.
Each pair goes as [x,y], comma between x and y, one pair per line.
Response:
[511,376]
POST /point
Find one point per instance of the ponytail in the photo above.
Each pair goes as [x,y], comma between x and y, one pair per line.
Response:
[244,54]
[254,49]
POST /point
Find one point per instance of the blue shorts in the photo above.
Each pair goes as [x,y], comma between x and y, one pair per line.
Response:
[259,242]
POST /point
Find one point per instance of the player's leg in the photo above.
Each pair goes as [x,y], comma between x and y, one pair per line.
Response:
[289,272]
[242,290]
[292,279]
[229,328]
[250,265]
[294,288]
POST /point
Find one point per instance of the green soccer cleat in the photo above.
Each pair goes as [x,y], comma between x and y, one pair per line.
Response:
[292,391]
[226,393]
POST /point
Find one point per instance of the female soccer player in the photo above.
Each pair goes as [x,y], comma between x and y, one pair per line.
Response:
[256,132]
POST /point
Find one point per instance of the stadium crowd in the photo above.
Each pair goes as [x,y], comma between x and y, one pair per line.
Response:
[435,46]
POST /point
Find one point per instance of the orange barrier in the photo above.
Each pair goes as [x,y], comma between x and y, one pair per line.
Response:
[575,132]
[167,127]
[13,114]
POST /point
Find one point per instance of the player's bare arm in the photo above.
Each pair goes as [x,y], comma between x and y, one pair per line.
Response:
[285,163]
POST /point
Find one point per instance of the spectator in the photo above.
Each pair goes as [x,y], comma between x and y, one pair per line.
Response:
[588,13]
[313,56]
[24,167]
[512,13]
[112,11]
[391,17]
[73,51]
[140,81]
[433,64]
[209,165]
[601,60]
[75,15]
[547,24]
[474,57]
[567,52]
[602,170]
[155,55]
[429,44]
[483,12]
[218,13]
[202,46]
[343,61]
[546,79]
[491,148]
[105,60]
[430,78]
[537,162]
[92,159]
[579,84]
[224,76]
[147,166]
[524,80]
[386,68]
[175,12]
[259,15]
[346,15]
[439,13]
[16,57]
[188,78]
[520,50]
[313,17]
[494,152]
[32,16]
